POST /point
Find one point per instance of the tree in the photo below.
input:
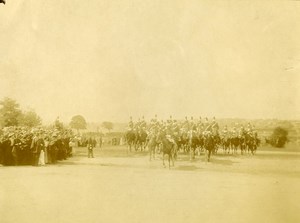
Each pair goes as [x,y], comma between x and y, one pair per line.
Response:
[78,122]
[108,125]
[10,112]
[279,137]
[30,119]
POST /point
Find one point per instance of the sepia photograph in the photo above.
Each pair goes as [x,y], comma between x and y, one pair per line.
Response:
[159,111]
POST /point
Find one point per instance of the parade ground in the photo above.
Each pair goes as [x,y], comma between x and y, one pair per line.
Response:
[119,187]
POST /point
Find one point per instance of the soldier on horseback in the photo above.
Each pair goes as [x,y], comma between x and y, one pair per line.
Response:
[130,123]
[206,123]
[143,123]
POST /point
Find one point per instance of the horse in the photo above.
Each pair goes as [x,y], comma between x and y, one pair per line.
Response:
[256,143]
[152,144]
[168,148]
[200,142]
[193,143]
[209,144]
[242,143]
[141,139]
[234,141]
[250,143]
[130,137]
[225,141]
[183,141]
[218,141]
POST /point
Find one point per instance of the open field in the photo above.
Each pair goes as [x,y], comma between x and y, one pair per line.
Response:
[116,187]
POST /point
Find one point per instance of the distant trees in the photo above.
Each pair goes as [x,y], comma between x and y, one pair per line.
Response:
[279,137]
[78,122]
[30,119]
[10,112]
[107,125]
[12,115]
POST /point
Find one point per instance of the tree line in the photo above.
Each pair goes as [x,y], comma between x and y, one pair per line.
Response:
[12,115]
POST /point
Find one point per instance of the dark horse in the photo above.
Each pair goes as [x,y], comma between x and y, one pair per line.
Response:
[251,143]
[226,143]
[152,144]
[182,141]
[193,143]
[234,141]
[141,139]
[209,145]
[242,143]
[168,148]
[130,137]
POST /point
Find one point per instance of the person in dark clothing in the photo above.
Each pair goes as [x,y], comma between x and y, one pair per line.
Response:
[90,146]
[60,147]
[16,150]
[6,151]
[1,152]
[53,149]
[9,159]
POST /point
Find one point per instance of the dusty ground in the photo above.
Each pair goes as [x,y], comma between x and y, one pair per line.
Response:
[116,187]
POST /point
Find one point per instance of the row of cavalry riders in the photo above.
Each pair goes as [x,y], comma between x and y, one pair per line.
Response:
[191,142]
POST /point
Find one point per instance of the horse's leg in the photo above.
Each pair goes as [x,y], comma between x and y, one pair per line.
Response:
[192,153]
[173,159]
[159,148]
[209,153]
[175,152]
[163,156]
[146,144]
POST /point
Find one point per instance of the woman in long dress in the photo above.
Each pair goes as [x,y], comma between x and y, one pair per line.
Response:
[42,158]
[46,150]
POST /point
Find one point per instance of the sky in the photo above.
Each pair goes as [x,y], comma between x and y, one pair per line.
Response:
[109,60]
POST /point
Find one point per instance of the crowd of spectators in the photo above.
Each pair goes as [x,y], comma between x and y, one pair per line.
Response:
[35,146]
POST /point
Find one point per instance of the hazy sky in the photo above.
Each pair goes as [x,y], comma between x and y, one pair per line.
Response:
[107,60]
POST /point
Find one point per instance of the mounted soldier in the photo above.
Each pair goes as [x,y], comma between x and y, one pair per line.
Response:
[186,123]
[143,123]
[215,127]
[130,123]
